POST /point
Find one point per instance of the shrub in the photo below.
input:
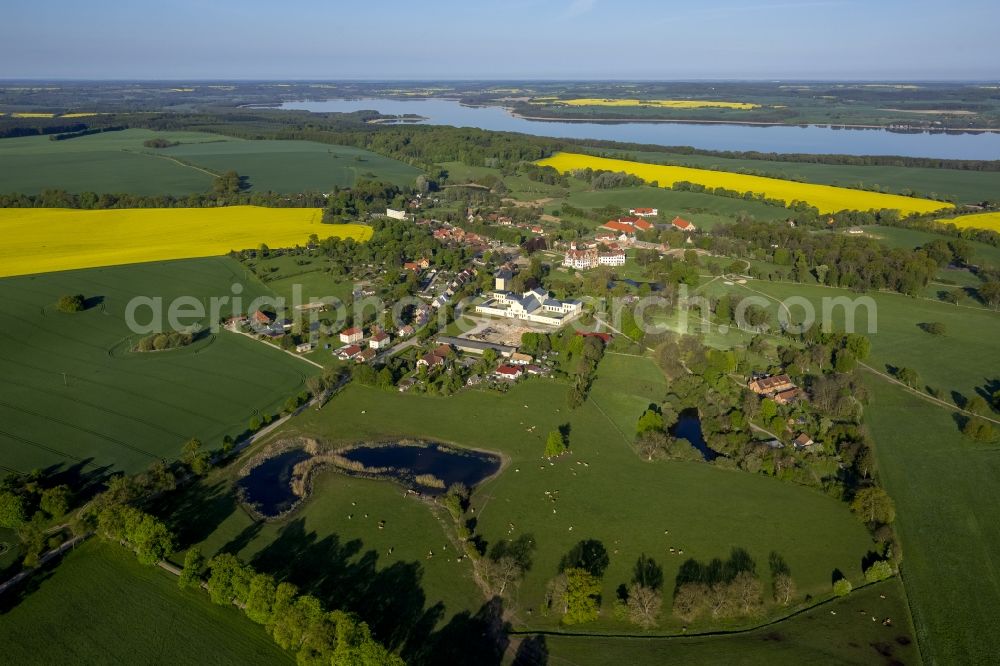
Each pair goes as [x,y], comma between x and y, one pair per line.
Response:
[842,587]
[878,571]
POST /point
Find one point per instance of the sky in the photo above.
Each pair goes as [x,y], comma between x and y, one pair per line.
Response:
[512,39]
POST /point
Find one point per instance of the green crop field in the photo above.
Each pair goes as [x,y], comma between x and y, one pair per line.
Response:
[605,492]
[118,162]
[100,606]
[839,632]
[962,186]
[74,392]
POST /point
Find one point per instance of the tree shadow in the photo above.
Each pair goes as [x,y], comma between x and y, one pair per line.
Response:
[716,570]
[194,512]
[836,575]
[341,575]
[479,639]
[647,573]
[15,595]
[520,550]
[532,652]
[92,302]
[589,554]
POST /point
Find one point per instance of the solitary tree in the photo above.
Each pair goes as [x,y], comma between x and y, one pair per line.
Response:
[873,505]
[71,303]
[555,445]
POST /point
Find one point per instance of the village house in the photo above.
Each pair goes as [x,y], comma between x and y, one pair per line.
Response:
[405,331]
[788,397]
[352,335]
[517,358]
[681,224]
[535,306]
[508,372]
[803,441]
[770,385]
[380,340]
[261,318]
[365,355]
[644,212]
[430,360]
[503,279]
[348,352]
[304,347]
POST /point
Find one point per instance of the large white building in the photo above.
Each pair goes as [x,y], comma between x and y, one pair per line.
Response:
[535,306]
[583,259]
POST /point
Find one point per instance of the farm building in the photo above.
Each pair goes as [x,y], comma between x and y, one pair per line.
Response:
[644,212]
[681,224]
[771,385]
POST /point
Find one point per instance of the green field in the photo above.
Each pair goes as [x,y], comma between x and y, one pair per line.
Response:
[616,498]
[118,162]
[839,632]
[705,210]
[985,255]
[75,394]
[950,529]
[100,606]
[962,186]
[937,477]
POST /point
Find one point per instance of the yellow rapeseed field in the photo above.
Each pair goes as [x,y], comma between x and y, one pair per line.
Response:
[660,103]
[25,114]
[826,198]
[989,221]
[85,114]
[42,240]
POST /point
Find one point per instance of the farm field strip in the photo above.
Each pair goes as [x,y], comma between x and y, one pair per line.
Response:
[79,395]
[656,103]
[989,221]
[826,198]
[42,240]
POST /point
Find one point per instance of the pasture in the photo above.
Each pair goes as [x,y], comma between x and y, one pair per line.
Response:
[826,198]
[838,632]
[119,162]
[42,240]
[603,491]
[950,531]
[101,606]
[75,394]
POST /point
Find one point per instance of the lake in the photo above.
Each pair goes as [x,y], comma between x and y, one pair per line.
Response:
[268,486]
[780,138]
[409,461]
[688,427]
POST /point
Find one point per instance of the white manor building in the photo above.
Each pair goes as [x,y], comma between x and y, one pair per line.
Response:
[534,306]
[586,258]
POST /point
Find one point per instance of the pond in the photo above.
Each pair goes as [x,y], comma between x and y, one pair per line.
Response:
[778,138]
[688,427]
[406,462]
[268,486]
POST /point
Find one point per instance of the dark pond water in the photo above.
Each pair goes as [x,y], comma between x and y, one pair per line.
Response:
[653,286]
[688,427]
[269,485]
[449,465]
[780,138]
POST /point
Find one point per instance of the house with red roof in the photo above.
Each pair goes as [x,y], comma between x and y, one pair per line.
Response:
[644,212]
[508,372]
[348,352]
[352,335]
[681,224]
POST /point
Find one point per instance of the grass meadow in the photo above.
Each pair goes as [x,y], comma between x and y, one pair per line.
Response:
[826,198]
[41,240]
[119,162]
[939,479]
[99,605]
[605,492]
[75,395]
[838,632]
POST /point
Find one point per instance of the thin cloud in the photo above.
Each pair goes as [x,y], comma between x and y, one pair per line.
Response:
[579,8]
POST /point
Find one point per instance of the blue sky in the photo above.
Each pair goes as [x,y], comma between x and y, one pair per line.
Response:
[540,39]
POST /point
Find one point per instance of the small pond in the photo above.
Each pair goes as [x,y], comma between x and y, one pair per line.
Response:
[268,486]
[688,427]
[406,462]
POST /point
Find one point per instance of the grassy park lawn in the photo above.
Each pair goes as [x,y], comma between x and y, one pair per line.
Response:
[605,492]
[101,606]
[985,255]
[76,395]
